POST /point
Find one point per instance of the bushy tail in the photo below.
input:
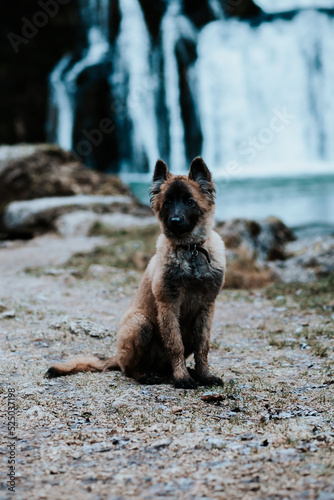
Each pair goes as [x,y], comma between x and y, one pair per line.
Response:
[84,364]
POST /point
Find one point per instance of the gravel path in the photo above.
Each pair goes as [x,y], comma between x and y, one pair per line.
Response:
[270,434]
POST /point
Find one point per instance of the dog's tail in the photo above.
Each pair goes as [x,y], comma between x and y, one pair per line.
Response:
[84,364]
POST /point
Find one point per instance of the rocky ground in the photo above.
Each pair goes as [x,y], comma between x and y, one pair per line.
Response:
[267,434]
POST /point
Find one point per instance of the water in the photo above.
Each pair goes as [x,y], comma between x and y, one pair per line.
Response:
[263,93]
[133,71]
[63,79]
[284,5]
[298,201]
[60,125]
[262,96]
[258,106]
[174,25]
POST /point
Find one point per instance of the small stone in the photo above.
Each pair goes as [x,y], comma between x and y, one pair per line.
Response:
[218,443]
[7,314]
[303,345]
[177,409]
[84,327]
[37,412]
[162,443]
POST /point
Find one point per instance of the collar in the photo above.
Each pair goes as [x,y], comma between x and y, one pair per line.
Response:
[195,248]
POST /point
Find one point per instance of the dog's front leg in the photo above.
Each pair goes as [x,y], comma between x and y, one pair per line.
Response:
[202,328]
[172,341]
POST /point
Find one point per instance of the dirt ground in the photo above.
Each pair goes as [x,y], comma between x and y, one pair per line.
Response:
[270,434]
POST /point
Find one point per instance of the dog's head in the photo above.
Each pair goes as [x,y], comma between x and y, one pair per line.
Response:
[184,204]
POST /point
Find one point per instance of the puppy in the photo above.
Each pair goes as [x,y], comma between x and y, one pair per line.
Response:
[171,314]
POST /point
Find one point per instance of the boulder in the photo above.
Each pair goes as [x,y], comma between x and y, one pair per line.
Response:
[262,241]
[81,222]
[308,259]
[43,170]
[37,216]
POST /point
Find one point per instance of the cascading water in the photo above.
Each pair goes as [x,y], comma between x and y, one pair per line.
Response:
[285,5]
[63,79]
[60,122]
[265,95]
[261,91]
[133,70]
[173,26]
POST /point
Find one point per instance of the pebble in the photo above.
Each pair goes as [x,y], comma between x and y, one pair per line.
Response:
[7,314]
[161,443]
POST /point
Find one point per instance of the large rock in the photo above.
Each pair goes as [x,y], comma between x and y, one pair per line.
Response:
[308,259]
[262,241]
[81,222]
[35,171]
[36,216]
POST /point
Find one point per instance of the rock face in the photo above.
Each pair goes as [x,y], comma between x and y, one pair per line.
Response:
[36,171]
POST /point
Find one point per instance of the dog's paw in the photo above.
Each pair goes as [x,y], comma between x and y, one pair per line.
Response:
[192,372]
[210,380]
[185,383]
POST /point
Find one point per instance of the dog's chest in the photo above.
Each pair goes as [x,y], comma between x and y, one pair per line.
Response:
[193,275]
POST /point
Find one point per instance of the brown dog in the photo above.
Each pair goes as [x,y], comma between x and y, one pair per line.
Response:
[171,314]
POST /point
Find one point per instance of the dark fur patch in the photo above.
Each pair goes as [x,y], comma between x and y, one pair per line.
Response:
[160,175]
[179,203]
[200,173]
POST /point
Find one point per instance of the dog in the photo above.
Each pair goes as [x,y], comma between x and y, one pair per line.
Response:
[171,314]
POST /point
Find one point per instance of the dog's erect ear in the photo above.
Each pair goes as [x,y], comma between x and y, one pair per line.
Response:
[161,174]
[160,171]
[200,173]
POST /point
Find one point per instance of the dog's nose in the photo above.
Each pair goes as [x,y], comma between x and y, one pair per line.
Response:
[176,220]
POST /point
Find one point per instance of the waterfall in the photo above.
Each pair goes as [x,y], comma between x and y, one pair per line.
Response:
[265,95]
[172,27]
[133,72]
[60,122]
[63,79]
[259,93]
[285,5]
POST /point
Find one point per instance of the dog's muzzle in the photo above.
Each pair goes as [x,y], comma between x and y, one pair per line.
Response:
[177,225]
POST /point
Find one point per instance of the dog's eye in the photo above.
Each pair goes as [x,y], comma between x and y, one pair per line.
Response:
[190,202]
[168,202]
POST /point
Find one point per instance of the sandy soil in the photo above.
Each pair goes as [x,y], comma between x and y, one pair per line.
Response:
[103,436]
